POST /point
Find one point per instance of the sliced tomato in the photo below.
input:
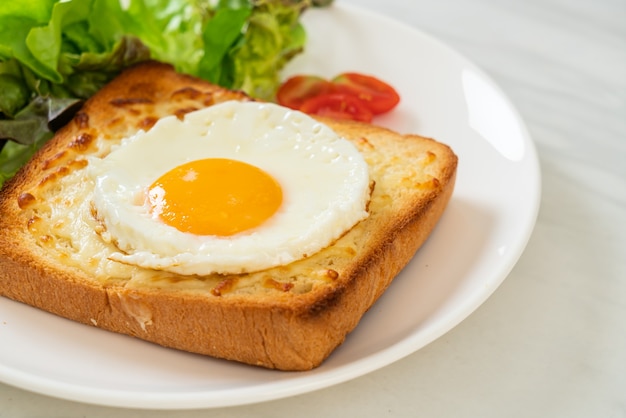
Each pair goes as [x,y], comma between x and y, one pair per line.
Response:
[337,106]
[296,90]
[377,95]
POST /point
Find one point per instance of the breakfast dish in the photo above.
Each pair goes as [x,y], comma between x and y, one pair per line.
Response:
[188,215]
[429,297]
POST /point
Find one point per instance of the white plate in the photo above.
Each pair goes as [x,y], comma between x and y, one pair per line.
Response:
[477,242]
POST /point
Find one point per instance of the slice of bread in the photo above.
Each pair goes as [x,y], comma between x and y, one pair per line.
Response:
[289,318]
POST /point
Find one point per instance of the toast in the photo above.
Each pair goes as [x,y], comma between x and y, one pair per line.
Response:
[289,317]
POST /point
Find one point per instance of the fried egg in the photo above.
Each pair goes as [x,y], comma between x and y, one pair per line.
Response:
[236,187]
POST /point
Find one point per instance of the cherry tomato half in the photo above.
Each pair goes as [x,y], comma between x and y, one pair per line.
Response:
[296,90]
[337,106]
[377,95]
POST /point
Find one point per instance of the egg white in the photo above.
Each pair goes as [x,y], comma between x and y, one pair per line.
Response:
[324,179]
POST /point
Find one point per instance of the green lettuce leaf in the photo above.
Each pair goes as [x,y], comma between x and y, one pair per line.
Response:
[15,94]
[220,34]
[273,37]
[15,155]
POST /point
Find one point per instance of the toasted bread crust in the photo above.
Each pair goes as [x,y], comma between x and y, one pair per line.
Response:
[281,318]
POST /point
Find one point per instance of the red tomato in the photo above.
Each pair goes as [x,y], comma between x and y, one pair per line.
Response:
[296,90]
[337,106]
[377,95]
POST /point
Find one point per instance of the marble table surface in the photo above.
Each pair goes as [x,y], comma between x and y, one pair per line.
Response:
[551,340]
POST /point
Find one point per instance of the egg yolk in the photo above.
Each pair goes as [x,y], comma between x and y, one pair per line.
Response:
[215,196]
